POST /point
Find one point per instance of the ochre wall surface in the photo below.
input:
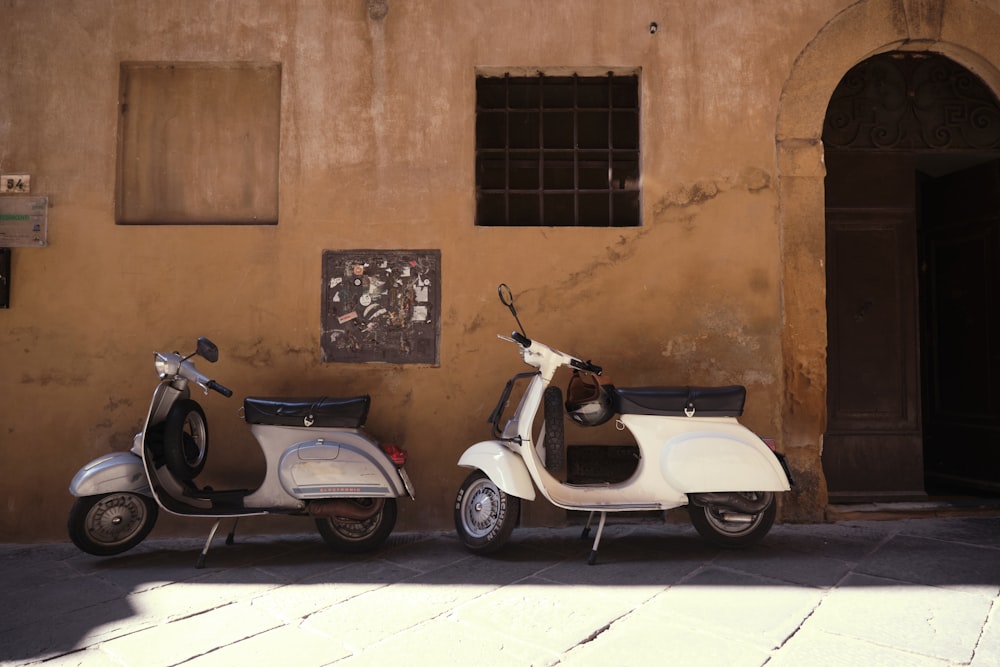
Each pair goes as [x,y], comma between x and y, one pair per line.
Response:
[722,283]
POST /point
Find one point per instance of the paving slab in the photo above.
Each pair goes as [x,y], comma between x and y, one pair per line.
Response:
[925,620]
[639,641]
[760,612]
[190,637]
[907,591]
[817,647]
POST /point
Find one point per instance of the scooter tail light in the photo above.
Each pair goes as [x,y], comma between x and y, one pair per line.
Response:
[395,453]
[771,443]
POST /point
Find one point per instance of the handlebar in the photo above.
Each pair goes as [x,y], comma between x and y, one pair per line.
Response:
[526,342]
[172,367]
[215,386]
[507,299]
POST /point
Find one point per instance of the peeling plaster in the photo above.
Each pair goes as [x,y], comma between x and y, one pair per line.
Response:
[259,355]
[117,402]
[620,251]
[750,179]
[54,378]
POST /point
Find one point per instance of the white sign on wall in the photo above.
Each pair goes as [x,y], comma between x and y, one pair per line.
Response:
[24,221]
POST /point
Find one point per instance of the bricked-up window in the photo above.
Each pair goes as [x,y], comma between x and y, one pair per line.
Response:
[557,151]
[198,143]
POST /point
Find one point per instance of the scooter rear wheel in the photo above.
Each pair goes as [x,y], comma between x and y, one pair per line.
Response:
[731,530]
[485,516]
[112,523]
[355,536]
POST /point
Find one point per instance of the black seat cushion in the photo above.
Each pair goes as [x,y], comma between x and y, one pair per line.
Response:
[316,412]
[682,401]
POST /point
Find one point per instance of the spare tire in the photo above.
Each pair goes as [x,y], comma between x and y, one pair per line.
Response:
[555,433]
[185,440]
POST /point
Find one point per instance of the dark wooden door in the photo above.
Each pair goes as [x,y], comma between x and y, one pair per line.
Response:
[873,447]
[960,273]
[898,373]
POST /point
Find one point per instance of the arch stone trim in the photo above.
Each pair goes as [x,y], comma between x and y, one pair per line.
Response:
[960,29]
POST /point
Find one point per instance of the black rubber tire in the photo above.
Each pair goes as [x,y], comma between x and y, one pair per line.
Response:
[555,433]
[111,523]
[355,536]
[712,526]
[485,516]
[185,440]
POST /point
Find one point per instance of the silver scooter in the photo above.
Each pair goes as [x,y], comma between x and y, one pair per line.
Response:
[320,463]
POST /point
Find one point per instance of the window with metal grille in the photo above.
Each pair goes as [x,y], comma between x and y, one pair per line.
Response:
[557,151]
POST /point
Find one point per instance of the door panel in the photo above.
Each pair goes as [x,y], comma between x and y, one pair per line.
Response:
[872,449]
[870,324]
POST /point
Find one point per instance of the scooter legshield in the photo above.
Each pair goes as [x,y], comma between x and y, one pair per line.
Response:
[118,471]
[504,467]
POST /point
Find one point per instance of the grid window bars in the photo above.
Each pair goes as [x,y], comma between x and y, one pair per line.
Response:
[557,151]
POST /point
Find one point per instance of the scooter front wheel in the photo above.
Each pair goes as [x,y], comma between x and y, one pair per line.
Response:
[112,523]
[355,536]
[733,530]
[485,516]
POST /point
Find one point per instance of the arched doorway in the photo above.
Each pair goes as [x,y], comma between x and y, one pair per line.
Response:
[963,30]
[912,141]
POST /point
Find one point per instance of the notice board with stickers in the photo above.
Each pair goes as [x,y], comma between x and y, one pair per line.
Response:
[381,306]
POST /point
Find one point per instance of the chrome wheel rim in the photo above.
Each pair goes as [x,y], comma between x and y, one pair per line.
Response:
[194,439]
[116,519]
[481,508]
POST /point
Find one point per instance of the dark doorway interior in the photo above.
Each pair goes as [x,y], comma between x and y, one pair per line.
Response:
[913,297]
[959,241]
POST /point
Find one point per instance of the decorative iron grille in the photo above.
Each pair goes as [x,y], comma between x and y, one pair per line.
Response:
[912,101]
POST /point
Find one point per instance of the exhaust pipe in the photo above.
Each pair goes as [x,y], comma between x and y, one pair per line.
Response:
[343,508]
[736,502]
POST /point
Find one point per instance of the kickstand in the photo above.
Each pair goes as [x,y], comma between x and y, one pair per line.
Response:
[208,543]
[592,558]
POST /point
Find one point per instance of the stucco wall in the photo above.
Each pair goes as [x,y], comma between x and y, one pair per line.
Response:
[377,151]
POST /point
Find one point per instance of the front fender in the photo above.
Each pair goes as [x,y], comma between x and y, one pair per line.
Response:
[119,471]
[504,467]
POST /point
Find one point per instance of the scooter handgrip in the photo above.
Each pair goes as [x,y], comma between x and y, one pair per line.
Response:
[587,366]
[225,391]
[521,339]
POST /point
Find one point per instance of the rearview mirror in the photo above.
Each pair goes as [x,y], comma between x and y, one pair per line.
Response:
[207,350]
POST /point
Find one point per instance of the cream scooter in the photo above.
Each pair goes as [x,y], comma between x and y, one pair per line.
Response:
[691,451]
[319,462]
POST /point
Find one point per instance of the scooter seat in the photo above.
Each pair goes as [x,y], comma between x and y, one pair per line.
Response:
[682,401]
[315,412]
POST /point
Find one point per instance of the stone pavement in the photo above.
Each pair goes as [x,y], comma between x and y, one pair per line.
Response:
[898,592]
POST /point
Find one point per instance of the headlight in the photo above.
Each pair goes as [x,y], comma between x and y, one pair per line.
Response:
[163,366]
